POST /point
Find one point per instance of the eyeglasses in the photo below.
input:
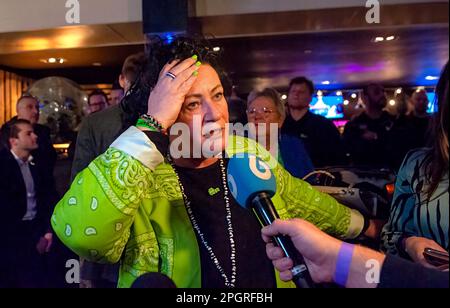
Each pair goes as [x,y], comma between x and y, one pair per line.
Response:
[265,111]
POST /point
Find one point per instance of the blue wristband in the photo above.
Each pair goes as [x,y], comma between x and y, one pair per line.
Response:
[344,260]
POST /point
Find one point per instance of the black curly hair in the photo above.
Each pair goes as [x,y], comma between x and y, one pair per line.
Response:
[158,53]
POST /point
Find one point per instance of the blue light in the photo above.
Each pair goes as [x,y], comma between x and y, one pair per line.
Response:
[169,38]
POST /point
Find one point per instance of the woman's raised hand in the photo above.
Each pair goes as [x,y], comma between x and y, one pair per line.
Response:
[167,97]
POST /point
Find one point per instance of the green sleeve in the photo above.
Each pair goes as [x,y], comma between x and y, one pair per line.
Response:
[95,215]
[301,200]
[297,199]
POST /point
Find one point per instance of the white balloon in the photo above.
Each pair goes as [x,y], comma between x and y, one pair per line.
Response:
[61,102]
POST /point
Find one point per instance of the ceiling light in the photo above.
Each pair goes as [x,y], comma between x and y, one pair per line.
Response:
[216,49]
[326,82]
[429,77]
[53,60]
[284,96]
[96,64]
[354,95]
[319,93]
[392,102]
[398,91]
[390,38]
[339,93]
[379,39]
[346,102]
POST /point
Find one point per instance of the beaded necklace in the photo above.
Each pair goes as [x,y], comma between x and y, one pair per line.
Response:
[230,283]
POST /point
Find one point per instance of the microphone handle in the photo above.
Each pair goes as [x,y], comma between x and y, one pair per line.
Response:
[265,212]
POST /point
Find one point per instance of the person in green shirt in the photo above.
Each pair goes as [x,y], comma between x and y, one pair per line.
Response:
[157,200]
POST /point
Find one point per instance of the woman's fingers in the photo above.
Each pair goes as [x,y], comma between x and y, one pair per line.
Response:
[189,76]
[168,67]
[182,66]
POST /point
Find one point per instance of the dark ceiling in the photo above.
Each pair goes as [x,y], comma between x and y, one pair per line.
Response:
[261,49]
[347,59]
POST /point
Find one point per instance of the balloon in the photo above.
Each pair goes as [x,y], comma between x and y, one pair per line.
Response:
[62,104]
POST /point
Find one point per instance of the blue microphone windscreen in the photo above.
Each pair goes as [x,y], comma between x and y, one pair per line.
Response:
[248,175]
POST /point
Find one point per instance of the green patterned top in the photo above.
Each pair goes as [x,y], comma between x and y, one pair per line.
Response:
[127,206]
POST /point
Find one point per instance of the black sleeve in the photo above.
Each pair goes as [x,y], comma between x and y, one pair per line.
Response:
[47,146]
[399,273]
[334,144]
[84,150]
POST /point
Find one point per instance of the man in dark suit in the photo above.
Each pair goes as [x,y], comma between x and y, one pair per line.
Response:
[27,197]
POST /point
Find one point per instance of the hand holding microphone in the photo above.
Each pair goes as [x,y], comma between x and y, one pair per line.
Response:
[319,249]
[252,184]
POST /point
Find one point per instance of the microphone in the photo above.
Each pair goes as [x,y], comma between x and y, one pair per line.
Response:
[252,184]
[153,281]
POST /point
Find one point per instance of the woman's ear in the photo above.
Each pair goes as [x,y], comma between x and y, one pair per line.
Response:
[122,81]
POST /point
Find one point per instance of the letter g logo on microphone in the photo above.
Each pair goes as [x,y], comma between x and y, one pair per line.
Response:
[262,171]
[247,176]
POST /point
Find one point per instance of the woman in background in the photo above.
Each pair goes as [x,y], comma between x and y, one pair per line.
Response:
[419,215]
[265,108]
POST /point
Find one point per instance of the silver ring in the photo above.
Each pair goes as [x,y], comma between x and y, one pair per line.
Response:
[171,75]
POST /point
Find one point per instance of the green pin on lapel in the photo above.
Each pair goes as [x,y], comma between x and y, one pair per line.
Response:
[213,191]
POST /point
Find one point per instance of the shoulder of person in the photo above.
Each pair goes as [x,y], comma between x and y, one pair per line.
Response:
[107,118]
[7,160]
[41,129]
[359,118]
[321,120]
[415,157]
[5,153]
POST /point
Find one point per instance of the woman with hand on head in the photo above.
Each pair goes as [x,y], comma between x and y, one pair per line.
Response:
[157,203]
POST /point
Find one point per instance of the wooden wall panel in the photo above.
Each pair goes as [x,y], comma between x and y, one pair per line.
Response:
[11,88]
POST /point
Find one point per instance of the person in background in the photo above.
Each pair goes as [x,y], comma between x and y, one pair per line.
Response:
[411,127]
[27,108]
[368,137]
[419,119]
[236,108]
[319,135]
[97,101]
[330,260]
[116,94]
[27,198]
[419,216]
[99,130]
[265,108]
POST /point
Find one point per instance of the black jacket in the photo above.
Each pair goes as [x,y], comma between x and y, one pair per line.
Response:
[320,136]
[13,197]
